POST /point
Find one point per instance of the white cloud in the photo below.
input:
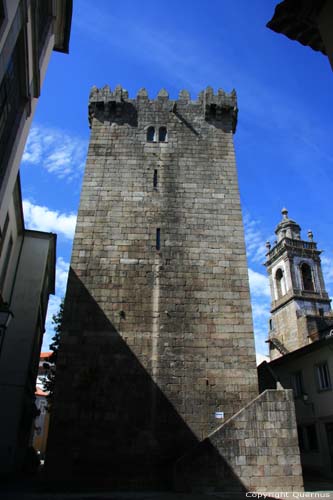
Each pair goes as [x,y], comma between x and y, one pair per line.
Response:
[254,240]
[327,265]
[261,357]
[259,284]
[58,152]
[260,314]
[43,219]
[61,276]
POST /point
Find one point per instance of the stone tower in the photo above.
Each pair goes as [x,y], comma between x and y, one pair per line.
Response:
[157,347]
[300,302]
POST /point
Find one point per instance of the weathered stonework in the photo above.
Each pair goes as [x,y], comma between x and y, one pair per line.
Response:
[157,328]
[256,450]
[300,305]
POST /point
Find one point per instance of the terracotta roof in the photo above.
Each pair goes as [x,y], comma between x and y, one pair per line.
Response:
[39,392]
[46,355]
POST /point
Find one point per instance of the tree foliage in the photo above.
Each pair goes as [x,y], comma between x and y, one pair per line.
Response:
[49,382]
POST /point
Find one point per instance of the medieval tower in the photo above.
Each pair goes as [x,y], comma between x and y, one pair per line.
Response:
[300,303]
[157,348]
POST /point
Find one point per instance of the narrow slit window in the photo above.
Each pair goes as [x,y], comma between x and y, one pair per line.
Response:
[162,134]
[150,134]
[158,238]
[155,179]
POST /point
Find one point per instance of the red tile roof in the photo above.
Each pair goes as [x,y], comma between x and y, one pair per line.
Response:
[46,355]
[39,392]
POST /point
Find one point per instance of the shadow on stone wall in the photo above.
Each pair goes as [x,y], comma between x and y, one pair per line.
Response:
[204,469]
[258,444]
[112,425]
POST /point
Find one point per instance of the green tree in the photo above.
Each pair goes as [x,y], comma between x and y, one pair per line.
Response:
[49,382]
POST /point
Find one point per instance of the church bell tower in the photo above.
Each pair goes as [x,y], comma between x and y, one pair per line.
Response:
[300,302]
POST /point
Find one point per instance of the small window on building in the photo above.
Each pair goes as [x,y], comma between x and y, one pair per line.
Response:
[44,20]
[151,134]
[323,377]
[307,277]
[2,13]
[3,233]
[162,134]
[158,238]
[279,279]
[297,384]
[311,435]
[271,325]
[6,263]
[155,179]
[300,433]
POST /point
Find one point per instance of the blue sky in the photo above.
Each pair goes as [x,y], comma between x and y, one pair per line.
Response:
[284,134]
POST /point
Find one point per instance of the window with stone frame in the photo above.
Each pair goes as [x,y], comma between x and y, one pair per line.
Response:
[151,134]
[323,377]
[311,438]
[280,285]
[307,280]
[297,384]
[162,134]
[2,14]
[43,22]
[300,432]
[3,233]
[307,438]
[4,269]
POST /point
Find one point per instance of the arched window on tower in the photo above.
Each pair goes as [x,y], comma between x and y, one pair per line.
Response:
[307,277]
[150,134]
[280,284]
[162,134]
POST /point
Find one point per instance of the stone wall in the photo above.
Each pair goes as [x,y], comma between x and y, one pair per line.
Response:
[256,450]
[156,340]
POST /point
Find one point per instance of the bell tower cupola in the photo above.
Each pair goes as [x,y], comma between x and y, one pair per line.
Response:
[299,298]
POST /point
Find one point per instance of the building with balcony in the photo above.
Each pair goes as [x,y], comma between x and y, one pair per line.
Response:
[301,341]
[29,31]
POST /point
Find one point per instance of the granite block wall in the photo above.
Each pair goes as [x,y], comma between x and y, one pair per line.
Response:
[256,450]
[157,333]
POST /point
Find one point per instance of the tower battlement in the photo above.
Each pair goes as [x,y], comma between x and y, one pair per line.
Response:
[113,105]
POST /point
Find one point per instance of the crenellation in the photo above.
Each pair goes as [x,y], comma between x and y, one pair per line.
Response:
[215,107]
